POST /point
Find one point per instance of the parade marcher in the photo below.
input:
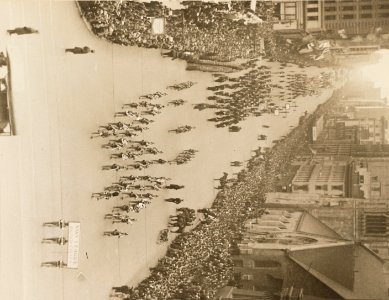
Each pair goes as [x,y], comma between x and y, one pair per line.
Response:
[125,208]
[61,224]
[56,240]
[54,264]
[79,50]
[22,30]
[130,105]
[115,167]
[126,113]
[105,195]
[125,289]
[173,186]
[174,200]
[101,133]
[129,221]
[115,233]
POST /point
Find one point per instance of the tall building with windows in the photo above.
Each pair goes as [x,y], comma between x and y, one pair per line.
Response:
[355,16]
[288,14]
[313,15]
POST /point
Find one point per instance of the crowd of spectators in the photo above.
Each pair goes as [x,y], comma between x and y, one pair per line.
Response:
[199,27]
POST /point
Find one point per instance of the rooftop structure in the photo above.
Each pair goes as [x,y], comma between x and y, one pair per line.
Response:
[311,257]
[321,177]
[356,219]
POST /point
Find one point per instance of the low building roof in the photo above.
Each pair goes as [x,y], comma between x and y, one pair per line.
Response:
[310,224]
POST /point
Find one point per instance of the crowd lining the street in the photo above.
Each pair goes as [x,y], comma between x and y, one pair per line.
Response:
[209,30]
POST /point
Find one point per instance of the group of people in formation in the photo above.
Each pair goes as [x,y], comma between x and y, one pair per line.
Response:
[57,240]
[132,193]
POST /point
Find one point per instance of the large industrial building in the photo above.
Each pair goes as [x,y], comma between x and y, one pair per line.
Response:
[290,254]
[356,17]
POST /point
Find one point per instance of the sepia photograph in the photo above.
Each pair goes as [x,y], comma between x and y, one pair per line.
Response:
[194,150]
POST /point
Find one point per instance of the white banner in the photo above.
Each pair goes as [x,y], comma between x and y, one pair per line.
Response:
[157,25]
[253,5]
[314,135]
[73,244]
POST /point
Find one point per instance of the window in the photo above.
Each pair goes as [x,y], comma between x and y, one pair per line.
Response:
[375,224]
[361,179]
[384,15]
[246,251]
[290,4]
[374,178]
[266,264]
[330,8]
[383,6]
[348,8]
[376,184]
[247,277]
[348,17]
[366,16]
[337,187]
[321,187]
[375,189]
[259,287]
[312,9]
[366,7]
[313,18]
[313,2]
[330,18]
[238,263]
[301,187]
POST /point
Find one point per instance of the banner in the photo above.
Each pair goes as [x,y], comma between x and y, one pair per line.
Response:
[73,245]
[157,25]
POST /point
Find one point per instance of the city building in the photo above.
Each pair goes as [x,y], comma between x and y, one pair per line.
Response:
[356,219]
[356,17]
[360,116]
[360,130]
[348,151]
[326,177]
[313,15]
[288,15]
[335,131]
[305,259]
[370,178]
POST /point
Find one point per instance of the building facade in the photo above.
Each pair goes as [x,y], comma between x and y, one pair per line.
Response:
[371,177]
[356,17]
[306,258]
[322,177]
[354,219]
[288,14]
